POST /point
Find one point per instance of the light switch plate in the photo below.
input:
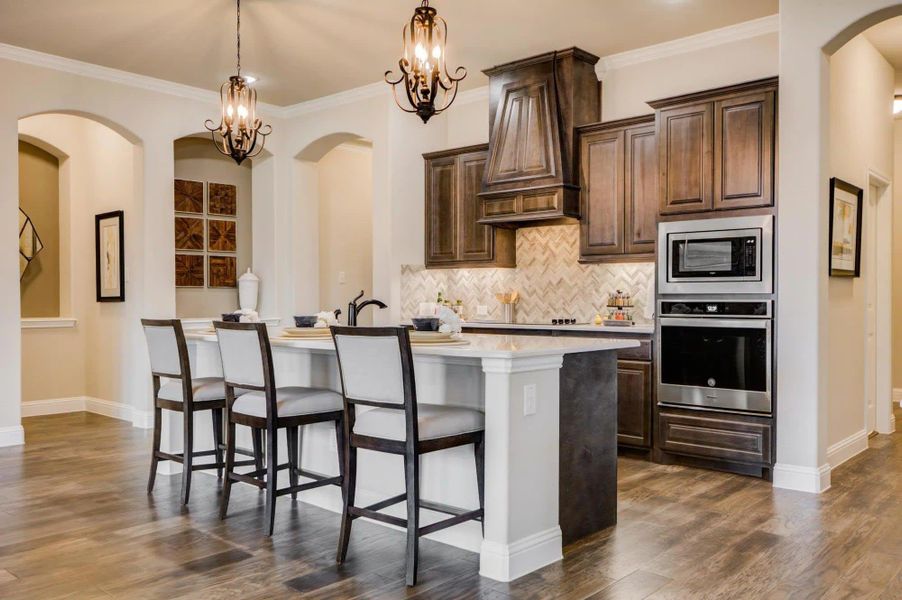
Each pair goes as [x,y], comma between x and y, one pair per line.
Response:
[341,277]
[529,399]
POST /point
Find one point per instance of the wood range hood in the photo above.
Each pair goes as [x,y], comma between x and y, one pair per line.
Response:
[532,172]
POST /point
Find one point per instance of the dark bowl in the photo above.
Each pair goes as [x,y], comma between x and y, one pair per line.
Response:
[425,323]
[304,321]
[231,317]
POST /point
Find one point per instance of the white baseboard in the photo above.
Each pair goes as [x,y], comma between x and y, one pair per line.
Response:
[897,395]
[845,449]
[892,423]
[508,562]
[802,479]
[12,436]
[142,419]
[53,406]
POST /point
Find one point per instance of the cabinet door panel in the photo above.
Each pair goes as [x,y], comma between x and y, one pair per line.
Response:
[686,161]
[475,240]
[441,211]
[601,228]
[634,403]
[641,190]
[744,151]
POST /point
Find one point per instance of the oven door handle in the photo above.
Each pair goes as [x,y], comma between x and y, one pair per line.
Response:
[716,322]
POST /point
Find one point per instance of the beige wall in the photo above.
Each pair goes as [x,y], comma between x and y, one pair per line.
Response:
[897,255]
[39,198]
[196,159]
[861,138]
[346,227]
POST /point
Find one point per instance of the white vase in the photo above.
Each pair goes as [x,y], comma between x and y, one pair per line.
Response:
[248,287]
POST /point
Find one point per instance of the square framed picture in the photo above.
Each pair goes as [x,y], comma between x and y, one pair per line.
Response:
[223,199]
[846,205]
[222,272]
[189,270]
[189,196]
[109,244]
[189,233]
[222,235]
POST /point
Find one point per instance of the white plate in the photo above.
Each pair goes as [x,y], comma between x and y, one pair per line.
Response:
[306,332]
[430,336]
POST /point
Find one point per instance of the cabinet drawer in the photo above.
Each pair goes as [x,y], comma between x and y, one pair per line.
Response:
[539,203]
[499,208]
[729,437]
[643,352]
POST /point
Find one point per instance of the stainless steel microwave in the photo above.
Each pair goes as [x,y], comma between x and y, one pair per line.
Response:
[731,255]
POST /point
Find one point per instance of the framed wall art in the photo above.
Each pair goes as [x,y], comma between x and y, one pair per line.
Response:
[846,205]
[222,272]
[189,233]
[223,199]
[222,236]
[109,243]
[189,270]
[189,196]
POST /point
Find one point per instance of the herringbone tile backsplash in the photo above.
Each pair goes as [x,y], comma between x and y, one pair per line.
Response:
[551,281]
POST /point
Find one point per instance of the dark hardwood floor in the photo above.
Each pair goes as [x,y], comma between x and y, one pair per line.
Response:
[75,522]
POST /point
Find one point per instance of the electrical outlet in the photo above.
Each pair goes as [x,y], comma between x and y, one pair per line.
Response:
[482,310]
[529,399]
[341,277]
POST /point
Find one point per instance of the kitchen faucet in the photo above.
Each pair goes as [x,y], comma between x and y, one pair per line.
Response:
[354,308]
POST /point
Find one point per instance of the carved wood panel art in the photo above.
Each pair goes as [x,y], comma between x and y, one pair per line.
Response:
[222,235]
[189,196]
[223,199]
[189,270]
[222,272]
[189,233]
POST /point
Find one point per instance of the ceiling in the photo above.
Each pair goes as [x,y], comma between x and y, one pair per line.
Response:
[304,49]
[887,38]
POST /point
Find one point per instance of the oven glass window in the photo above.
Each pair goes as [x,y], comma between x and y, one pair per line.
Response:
[715,357]
[713,258]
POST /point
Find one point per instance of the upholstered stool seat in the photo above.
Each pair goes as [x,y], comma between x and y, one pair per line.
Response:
[290,402]
[203,389]
[433,421]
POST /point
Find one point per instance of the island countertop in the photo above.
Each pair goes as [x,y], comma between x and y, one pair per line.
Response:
[477,346]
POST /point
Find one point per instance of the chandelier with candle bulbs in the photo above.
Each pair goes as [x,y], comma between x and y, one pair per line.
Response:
[240,134]
[428,86]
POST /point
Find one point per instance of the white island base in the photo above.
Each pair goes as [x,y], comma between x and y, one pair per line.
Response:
[516,380]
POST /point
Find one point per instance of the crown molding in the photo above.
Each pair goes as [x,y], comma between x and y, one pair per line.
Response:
[700,41]
[144,82]
[364,92]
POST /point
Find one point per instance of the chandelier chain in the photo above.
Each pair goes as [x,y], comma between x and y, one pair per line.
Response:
[238,34]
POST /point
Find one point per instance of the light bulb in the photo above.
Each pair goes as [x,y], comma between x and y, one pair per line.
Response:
[229,110]
[420,52]
[242,111]
[436,52]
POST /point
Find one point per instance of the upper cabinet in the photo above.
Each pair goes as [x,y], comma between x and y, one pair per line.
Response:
[619,190]
[454,237]
[534,105]
[717,149]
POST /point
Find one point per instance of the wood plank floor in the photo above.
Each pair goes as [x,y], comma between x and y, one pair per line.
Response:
[75,523]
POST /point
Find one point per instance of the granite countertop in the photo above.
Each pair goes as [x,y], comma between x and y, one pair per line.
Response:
[641,328]
[477,346]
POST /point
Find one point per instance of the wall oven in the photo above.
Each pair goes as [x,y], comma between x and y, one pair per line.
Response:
[732,255]
[715,353]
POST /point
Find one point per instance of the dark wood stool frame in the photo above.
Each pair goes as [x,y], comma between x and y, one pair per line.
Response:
[266,477]
[411,449]
[188,407]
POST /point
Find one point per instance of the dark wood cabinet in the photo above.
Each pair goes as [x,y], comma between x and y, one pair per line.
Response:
[454,237]
[619,191]
[634,403]
[734,438]
[717,149]
[534,106]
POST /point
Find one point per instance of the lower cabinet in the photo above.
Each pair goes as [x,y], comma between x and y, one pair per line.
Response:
[634,403]
[733,438]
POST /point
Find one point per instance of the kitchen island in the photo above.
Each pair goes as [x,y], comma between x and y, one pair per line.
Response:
[550,428]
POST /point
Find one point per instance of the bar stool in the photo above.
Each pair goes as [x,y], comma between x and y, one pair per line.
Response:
[247,364]
[169,358]
[376,367]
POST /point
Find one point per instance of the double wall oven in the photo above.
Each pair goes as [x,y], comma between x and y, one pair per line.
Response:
[715,314]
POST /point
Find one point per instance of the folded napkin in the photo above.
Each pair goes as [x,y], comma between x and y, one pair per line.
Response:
[450,320]
[325,319]
[247,316]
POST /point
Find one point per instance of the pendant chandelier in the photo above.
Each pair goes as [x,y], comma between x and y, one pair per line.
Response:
[240,134]
[424,74]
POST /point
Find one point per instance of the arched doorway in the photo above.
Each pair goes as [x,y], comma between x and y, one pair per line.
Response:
[335,179]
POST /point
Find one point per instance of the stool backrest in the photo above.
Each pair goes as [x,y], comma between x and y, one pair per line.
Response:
[246,355]
[167,348]
[376,368]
